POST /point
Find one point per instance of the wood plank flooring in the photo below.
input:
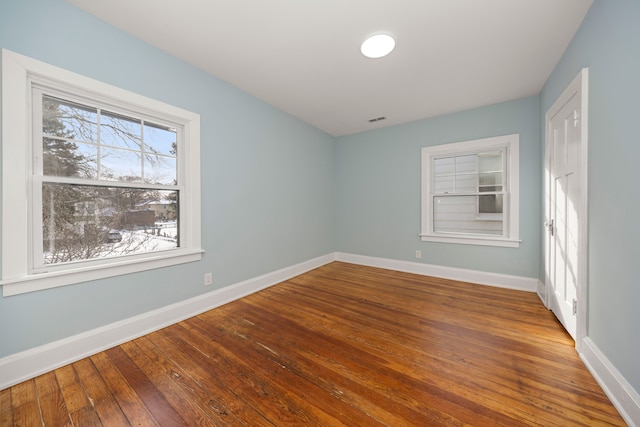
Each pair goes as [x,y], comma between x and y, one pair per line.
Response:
[342,345]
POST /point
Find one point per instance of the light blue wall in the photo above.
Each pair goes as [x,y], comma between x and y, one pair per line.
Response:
[608,42]
[277,191]
[267,184]
[378,189]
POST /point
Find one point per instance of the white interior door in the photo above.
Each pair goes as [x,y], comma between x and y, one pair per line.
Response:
[566,208]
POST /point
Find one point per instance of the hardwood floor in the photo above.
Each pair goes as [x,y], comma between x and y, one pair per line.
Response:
[341,345]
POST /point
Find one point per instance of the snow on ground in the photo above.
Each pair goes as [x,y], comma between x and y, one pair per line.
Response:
[163,236]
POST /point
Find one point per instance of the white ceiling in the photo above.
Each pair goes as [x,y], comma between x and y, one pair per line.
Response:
[303,56]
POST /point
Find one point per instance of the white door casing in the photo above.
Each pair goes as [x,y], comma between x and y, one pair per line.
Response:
[566,207]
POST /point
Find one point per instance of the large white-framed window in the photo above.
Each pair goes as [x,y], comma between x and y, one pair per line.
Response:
[470,192]
[97,181]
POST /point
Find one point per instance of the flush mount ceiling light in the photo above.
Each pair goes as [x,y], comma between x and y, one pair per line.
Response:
[377,46]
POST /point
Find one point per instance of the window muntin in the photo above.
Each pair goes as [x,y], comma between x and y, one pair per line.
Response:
[467,192]
[164,161]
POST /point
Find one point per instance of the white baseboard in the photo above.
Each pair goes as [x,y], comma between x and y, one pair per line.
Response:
[482,277]
[623,396]
[28,364]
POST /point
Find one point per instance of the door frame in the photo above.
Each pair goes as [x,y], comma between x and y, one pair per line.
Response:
[578,87]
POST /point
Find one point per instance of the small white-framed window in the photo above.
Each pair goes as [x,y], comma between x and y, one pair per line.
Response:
[97,181]
[470,192]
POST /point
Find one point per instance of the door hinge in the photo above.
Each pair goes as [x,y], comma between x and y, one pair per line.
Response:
[575,306]
[575,119]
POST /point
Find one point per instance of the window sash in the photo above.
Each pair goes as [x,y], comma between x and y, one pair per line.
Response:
[40,180]
[464,170]
[82,237]
[492,158]
[98,141]
[473,176]
[458,214]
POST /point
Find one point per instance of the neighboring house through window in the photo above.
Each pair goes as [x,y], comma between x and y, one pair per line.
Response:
[470,192]
[90,155]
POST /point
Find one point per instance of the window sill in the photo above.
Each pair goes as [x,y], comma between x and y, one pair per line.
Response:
[475,240]
[41,281]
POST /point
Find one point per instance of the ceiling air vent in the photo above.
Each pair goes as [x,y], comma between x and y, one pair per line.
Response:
[377,119]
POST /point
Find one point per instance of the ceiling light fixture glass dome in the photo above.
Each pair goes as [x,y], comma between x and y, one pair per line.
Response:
[378,45]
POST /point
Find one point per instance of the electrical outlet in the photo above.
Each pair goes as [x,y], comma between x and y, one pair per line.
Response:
[418,254]
[208,279]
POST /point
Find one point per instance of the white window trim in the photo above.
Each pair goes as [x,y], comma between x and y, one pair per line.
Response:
[17,73]
[511,216]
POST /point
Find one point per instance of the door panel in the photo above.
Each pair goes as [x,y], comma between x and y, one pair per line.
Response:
[564,201]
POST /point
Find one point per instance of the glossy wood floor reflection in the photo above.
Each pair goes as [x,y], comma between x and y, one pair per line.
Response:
[340,345]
